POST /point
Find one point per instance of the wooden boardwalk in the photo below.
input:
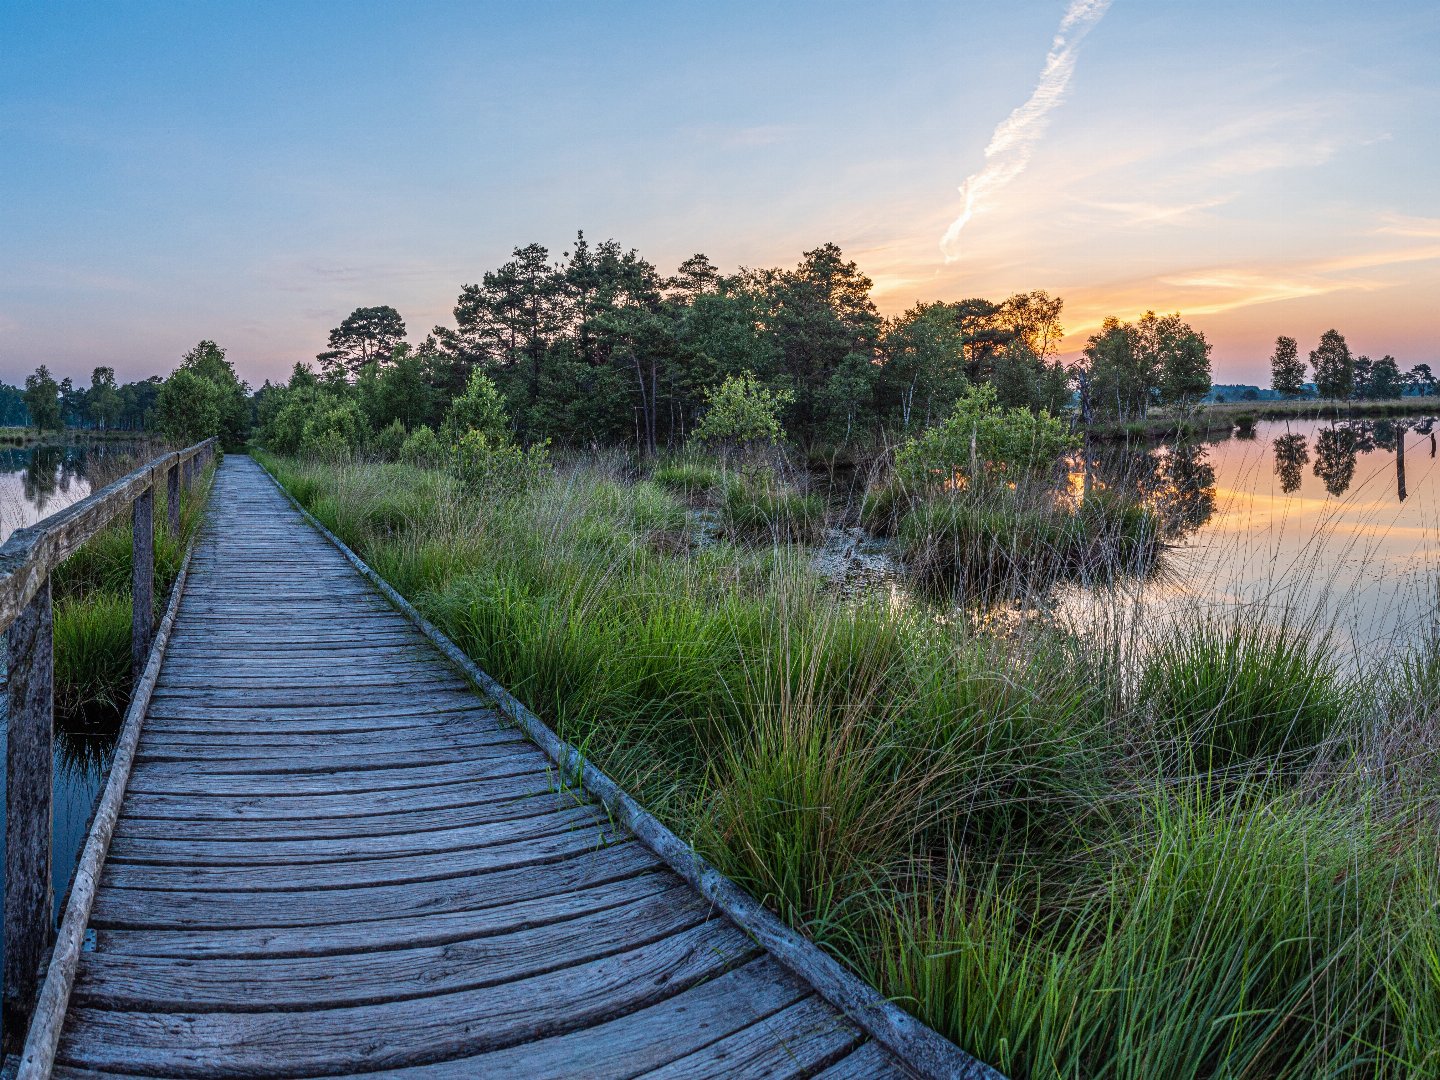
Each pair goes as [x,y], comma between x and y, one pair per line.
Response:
[333,856]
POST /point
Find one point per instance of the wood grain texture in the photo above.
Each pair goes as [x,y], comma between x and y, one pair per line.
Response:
[336,856]
[29,798]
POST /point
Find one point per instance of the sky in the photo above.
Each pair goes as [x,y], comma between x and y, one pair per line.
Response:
[252,172]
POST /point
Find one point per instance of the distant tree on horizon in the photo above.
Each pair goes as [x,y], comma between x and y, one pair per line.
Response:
[1287,370]
[1334,367]
[42,400]
[103,402]
[367,334]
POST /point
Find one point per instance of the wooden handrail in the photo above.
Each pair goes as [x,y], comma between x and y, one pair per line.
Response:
[26,562]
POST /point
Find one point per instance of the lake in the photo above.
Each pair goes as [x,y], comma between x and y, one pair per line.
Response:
[1336,519]
[1339,520]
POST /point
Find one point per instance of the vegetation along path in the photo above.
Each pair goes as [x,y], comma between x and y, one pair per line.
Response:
[334,855]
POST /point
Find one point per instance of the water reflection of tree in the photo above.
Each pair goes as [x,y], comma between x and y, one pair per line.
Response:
[1335,452]
[1186,493]
[1291,455]
[43,476]
[1178,481]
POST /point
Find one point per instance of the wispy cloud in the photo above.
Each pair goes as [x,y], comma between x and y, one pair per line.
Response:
[1014,140]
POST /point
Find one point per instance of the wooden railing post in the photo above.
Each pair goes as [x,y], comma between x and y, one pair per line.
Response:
[172,497]
[142,580]
[29,793]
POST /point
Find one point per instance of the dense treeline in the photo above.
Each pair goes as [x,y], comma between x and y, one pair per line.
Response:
[104,405]
[1342,376]
[601,348]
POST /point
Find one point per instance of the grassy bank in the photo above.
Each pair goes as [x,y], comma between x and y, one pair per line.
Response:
[1215,856]
[92,598]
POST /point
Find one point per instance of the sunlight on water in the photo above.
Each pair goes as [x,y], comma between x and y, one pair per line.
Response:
[1336,520]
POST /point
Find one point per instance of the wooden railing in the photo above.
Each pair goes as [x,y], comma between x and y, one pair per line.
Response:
[26,563]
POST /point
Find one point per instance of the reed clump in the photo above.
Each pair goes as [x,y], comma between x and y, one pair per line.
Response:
[1068,852]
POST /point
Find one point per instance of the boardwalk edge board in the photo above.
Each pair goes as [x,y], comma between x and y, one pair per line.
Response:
[38,1056]
[917,1046]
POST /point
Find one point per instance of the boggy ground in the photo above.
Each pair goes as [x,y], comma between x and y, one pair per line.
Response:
[1215,856]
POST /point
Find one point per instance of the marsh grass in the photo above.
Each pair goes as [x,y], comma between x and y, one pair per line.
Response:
[1007,542]
[1068,853]
[93,606]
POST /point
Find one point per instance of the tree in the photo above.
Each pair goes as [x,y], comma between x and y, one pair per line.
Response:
[1182,361]
[819,313]
[1287,370]
[1333,366]
[742,413]
[202,398]
[368,333]
[1385,381]
[42,399]
[1422,379]
[104,403]
[1118,370]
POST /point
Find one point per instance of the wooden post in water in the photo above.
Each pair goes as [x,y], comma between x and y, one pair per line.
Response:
[1400,460]
[172,498]
[29,792]
[142,580]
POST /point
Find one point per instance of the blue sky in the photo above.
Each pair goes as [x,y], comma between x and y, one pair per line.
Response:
[252,172]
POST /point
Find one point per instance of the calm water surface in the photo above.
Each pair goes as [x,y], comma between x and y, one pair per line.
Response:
[1335,519]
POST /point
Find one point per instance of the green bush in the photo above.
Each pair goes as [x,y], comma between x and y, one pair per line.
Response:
[742,412]
[497,467]
[422,447]
[984,443]
[389,441]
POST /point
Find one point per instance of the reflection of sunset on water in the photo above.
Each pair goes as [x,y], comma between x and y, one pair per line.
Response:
[1357,552]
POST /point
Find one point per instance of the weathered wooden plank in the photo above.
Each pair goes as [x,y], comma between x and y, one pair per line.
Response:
[791,1043]
[374,935]
[326,758]
[407,1032]
[303,851]
[504,808]
[253,808]
[639,1041]
[259,984]
[158,909]
[566,841]
[172,498]
[142,580]
[385,744]
[170,779]
[869,1062]
[29,794]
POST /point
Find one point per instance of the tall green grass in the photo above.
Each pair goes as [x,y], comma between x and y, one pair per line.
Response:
[93,611]
[1069,854]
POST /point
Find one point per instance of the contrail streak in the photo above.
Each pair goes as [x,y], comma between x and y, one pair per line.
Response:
[1015,138]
